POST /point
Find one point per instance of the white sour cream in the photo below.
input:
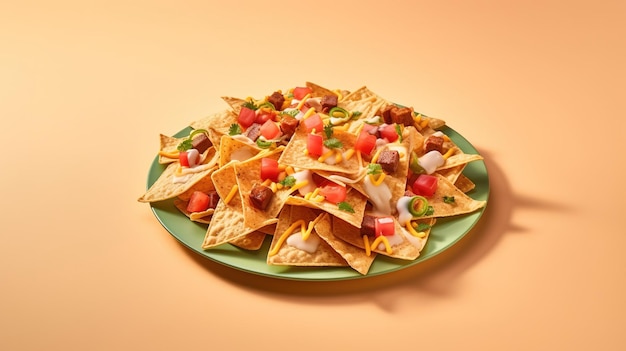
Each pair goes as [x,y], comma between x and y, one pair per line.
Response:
[309,245]
[395,239]
[305,175]
[403,209]
[431,160]
[379,196]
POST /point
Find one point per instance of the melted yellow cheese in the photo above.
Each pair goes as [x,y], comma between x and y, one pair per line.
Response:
[299,223]
[379,239]
[231,194]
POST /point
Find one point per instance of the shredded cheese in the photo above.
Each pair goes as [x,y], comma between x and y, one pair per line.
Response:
[299,223]
[299,185]
[379,239]
[326,155]
[424,124]
[267,182]
[231,194]
[412,231]
[172,154]
[304,99]
[366,243]
[378,181]
[289,170]
[309,113]
[348,154]
[449,153]
[338,156]
[376,155]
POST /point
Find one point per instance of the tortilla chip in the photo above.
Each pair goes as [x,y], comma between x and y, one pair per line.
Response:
[227,222]
[236,149]
[234,103]
[318,90]
[294,154]
[355,199]
[200,217]
[217,124]
[248,175]
[251,242]
[402,248]
[355,256]
[170,145]
[464,184]
[462,203]
[324,254]
[165,188]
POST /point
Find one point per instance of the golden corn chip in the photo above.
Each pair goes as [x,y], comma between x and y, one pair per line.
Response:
[355,256]
[289,249]
[252,241]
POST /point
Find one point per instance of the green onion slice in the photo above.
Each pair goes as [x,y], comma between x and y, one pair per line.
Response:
[418,206]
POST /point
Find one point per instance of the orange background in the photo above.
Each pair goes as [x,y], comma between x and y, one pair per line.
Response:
[86,87]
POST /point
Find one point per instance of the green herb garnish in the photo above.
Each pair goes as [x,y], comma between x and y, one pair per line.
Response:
[292,113]
[250,105]
[344,206]
[422,227]
[355,114]
[374,168]
[430,211]
[289,181]
[328,130]
[448,199]
[234,129]
[184,145]
[333,143]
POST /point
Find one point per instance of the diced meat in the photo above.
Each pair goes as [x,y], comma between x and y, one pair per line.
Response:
[368,226]
[433,143]
[288,125]
[402,115]
[277,99]
[213,199]
[253,131]
[389,160]
[328,102]
[201,142]
[385,113]
[260,196]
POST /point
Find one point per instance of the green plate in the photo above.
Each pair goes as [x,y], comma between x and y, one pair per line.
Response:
[444,234]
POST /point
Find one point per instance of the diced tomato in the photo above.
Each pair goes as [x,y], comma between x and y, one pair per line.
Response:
[265,115]
[269,169]
[388,131]
[425,185]
[198,202]
[183,159]
[384,226]
[313,122]
[189,158]
[315,144]
[369,128]
[333,192]
[246,117]
[365,143]
[300,92]
[270,130]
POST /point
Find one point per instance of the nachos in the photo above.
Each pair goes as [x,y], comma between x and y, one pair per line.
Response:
[334,177]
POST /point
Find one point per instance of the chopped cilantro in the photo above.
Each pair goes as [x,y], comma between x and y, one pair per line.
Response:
[448,199]
[328,130]
[293,112]
[422,227]
[289,181]
[250,105]
[333,143]
[185,145]
[356,114]
[374,168]
[344,206]
[430,211]
[234,129]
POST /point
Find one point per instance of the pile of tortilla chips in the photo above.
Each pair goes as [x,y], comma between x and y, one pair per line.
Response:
[305,228]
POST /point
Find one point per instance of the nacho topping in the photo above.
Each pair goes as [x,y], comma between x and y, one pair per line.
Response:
[338,176]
